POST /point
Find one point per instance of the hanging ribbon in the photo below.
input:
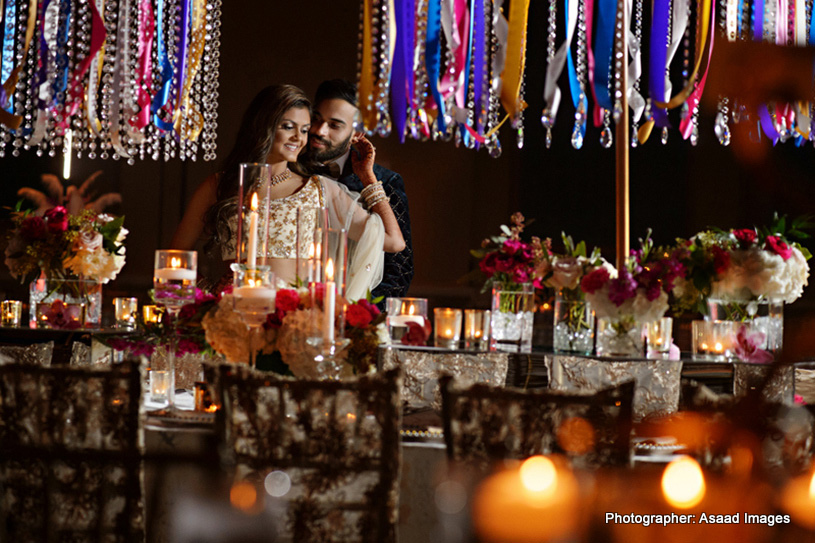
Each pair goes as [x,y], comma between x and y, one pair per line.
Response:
[433,57]
[58,92]
[46,64]
[758,20]
[144,72]
[480,100]
[120,76]
[94,77]
[188,121]
[658,62]
[686,125]
[603,50]
[9,12]
[162,97]
[516,57]
[6,118]
[402,80]
[588,16]
[464,88]
[551,91]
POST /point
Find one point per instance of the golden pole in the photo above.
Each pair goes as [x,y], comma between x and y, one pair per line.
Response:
[622,136]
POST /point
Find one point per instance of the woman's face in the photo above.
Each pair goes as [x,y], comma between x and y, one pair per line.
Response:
[290,135]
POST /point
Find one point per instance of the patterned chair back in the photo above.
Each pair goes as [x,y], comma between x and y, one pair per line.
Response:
[336,441]
[487,424]
[71,448]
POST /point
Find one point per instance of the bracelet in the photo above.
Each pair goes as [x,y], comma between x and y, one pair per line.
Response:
[374,194]
[378,198]
[371,188]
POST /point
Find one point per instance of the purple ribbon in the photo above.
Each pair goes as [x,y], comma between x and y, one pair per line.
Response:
[401,80]
[659,56]
[767,123]
[758,20]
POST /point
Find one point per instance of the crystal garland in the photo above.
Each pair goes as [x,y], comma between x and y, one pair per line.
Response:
[98,118]
[476,124]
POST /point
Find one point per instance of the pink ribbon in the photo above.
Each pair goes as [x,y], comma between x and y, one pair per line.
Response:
[98,35]
[450,83]
[686,125]
[588,15]
[144,73]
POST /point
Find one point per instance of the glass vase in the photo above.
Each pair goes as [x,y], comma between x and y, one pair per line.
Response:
[65,303]
[573,323]
[619,338]
[512,317]
[756,328]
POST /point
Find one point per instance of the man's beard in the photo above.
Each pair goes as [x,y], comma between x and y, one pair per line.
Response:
[330,152]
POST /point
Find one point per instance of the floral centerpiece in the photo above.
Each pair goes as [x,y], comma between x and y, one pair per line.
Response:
[628,298]
[509,264]
[64,252]
[573,318]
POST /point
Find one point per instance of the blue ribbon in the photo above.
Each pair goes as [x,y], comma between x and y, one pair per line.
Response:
[758,20]
[7,59]
[574,83]
[60,83]
[480,66]
[659,55]
[812,28]
[465,134]
[402,65]
[433,56]
[603,49]
[741,16]
[166,78]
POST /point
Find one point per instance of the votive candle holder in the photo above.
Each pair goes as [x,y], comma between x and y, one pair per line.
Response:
[12,312]
[448,327]
[476,329]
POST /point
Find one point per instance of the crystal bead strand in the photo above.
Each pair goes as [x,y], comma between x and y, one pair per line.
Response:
[547,119]
[417,117]
[720,124]
[210,86]
[581,109]
[664,138]
[383,125]
[24,101]
[493,144]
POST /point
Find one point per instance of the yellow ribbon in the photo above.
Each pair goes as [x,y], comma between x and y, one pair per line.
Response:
[188,121]
[516,57]
[6,118]
[366,78]
[644,131]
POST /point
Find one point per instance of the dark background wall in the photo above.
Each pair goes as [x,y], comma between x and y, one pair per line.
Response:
[457,196]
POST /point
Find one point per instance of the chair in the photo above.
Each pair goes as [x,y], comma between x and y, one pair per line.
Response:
[70,459]
[484,424]
[336,441]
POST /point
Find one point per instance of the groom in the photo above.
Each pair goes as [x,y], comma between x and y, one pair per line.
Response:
[329,147]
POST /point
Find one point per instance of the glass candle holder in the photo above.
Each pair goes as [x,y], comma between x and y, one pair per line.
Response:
[402,311]
[125,310]
[477,329]
[152,314]
[712,340]
[159,385]
[448,327]
[12,312]
[659,337]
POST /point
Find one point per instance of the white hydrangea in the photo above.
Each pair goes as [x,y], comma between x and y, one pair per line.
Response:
[756,273]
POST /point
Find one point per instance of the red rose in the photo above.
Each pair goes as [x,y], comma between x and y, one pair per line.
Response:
[779,247]
[594,280]
[357,316]
[372,309]
[57,219]
[721,259]
[274,320]
[416,334]
[287,300]
[487,264]
[746,236]
[33,229]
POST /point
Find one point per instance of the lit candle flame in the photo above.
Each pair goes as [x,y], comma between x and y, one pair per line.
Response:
[718,347]
[411,309]
[683,483]
[539,476]
[311,251]
[812,488]
[175,262]
[254,204]
[329,270]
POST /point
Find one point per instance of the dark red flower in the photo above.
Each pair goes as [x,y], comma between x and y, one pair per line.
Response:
[57,219]
[416,334]
[746,236]
[358,316]
[721,259]
[287,300]
[374,311]
[487,264]
[594,280]
[33,229]
[779,247]
[274,320]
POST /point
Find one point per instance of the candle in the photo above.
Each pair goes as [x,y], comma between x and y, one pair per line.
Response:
[448,327]
[252,245]
[12,312]
[310,271]
[152,313]
[330,301]
[798,499]
[683,483]
[159,383]
[476,328]
[174,274]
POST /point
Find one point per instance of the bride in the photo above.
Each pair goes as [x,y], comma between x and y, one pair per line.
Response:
[274,130]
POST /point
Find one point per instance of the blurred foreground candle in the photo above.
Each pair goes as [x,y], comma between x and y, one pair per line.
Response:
[12,312]
[448,327]
[537,502]
[159,383]
[125,310]
[476,329]
[659,337]
[798,499]
[683,483]
[402,311]
[152,313]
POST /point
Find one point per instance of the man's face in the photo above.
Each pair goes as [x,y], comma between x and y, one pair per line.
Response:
[332,125]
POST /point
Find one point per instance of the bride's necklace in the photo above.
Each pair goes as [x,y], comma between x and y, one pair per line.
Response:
[279,178]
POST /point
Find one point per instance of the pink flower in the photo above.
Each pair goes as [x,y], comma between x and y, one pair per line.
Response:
[358,316]
[747,347]
[33,229]
[746,236]
[512,246]
[487,264]
[61,315]
[520,275]
[779,247]
[372,309]
[799,400]
[287,300]
[88,240]
[57,219]
[622,288]
[594,280]
[416,334]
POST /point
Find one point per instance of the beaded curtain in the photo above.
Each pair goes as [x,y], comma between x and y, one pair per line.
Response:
[455,69]
[122,79]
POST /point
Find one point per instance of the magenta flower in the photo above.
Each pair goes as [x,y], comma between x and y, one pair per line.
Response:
[33,229]
[57,219]
[779,247]
[747,347]
[745,236]
[512,246]
[64,316]
[594,280]
[622,288]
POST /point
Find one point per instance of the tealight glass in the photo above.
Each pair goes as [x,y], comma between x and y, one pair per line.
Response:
[152,314]
[448,327]
[125,310]
[12,312]
[159,385]
[402,311]
[476,329]
[659,337]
